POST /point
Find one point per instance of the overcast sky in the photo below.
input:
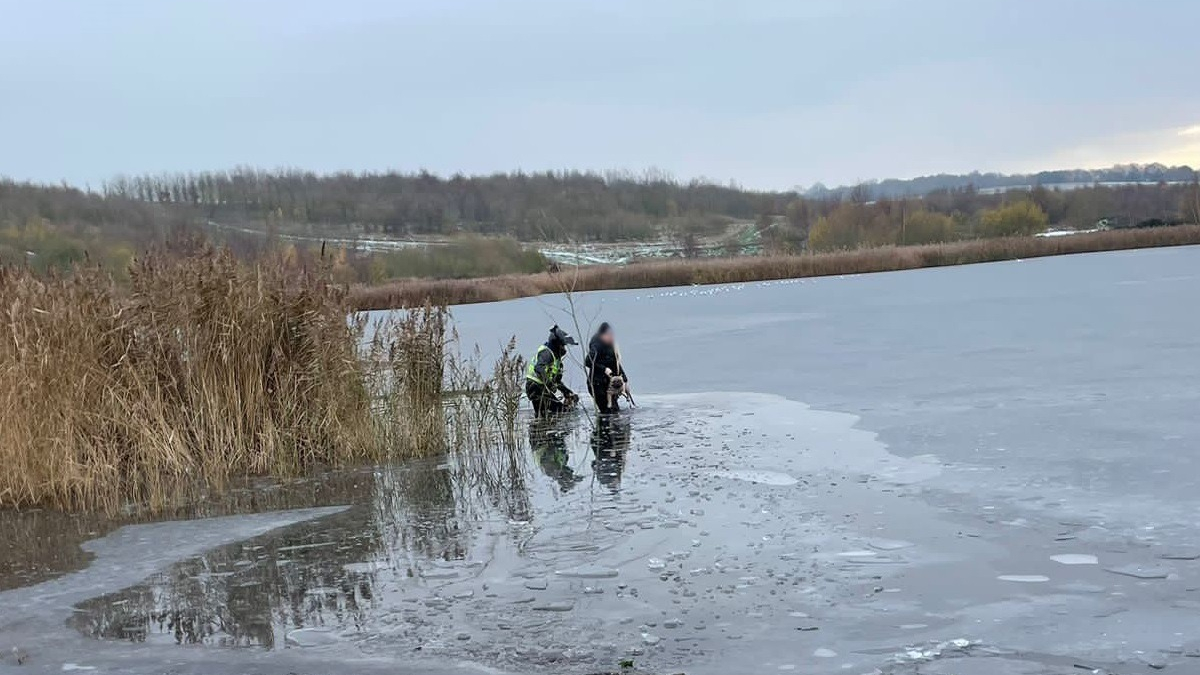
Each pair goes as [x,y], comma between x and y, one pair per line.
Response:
[772,93]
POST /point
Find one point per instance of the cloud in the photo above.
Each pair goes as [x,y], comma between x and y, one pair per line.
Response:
[774,93]
[1172,146]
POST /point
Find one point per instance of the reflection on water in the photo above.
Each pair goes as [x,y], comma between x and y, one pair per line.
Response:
[548,440]
[610,441]
[49,541]
[242,595]
[411,528]
[49,544]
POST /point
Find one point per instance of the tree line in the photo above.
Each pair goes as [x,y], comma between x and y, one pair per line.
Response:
[54,225]
[583,206]
[547,206]
[893,188]
[857,220]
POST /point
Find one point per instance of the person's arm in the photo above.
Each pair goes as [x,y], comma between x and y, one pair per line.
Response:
[565,390]
[541,368]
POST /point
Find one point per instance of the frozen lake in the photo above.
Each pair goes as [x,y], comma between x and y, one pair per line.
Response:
[1072,374]
[984,469]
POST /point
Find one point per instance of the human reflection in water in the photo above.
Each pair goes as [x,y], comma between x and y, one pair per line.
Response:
[610,441]
[548,439]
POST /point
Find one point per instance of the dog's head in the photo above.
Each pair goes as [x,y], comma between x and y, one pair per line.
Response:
[616,385]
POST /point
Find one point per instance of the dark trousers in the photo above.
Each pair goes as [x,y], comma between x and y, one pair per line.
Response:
[544,401]
[599,392]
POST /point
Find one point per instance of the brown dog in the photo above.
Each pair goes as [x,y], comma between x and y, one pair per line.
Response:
[616,389]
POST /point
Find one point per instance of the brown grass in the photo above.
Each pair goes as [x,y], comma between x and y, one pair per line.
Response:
[730,270]
[203,370]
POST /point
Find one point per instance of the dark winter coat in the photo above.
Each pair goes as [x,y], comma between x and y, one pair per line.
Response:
[599,357]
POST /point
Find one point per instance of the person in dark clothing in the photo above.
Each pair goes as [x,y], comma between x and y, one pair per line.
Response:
[543,376]
[603,363]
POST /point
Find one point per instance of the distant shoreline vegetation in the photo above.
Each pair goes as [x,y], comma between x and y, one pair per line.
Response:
[378,228]
[414,293]
[994,183]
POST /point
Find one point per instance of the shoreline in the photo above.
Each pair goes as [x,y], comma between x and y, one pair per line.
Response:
[668,273]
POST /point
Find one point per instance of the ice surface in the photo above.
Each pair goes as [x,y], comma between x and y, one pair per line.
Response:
[889,544]
[588,572]
[1075,559]
[980,369]
[1180,555]
[561,606]
[762,477]
[973,379]
[1024,578]
[1141,571]
[311,637]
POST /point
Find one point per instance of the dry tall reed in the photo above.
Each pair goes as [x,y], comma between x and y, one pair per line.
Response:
[204,369]
[744,269]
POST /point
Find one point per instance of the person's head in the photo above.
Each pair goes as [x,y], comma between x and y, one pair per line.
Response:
[559,339]
[605,333]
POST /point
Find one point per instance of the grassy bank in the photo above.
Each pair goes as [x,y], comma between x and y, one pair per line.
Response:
[204,368]
[732,270]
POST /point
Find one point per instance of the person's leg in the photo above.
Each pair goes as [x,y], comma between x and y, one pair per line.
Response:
[536,392]
[599,394]
[544,402]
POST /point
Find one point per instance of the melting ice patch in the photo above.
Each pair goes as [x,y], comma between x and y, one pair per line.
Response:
[889,544]
[1024,578]
[933,650]
[311,637]
[1075,559]
[365,567]
[813,441]
[588,572]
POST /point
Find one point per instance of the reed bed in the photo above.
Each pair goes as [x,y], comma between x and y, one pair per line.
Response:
[745,269]
[203,369]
